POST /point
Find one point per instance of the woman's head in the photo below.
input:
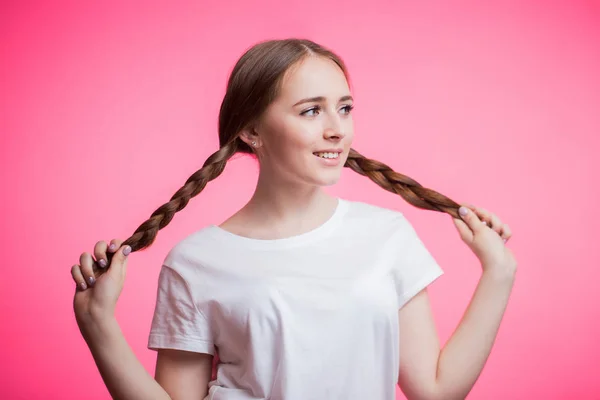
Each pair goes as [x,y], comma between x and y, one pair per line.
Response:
[259,115]
[289,102]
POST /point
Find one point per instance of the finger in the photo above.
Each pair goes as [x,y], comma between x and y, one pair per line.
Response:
[506,233]
[100,254]
[114,245]
[78,277]
[463,230]
[489,219]
[471,219]
[118,265]
[469,205]
[483,214]
[497,225]
[86,262]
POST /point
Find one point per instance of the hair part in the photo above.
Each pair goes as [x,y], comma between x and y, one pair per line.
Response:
[253,85]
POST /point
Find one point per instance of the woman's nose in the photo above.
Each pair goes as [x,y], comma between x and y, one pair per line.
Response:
[334,130]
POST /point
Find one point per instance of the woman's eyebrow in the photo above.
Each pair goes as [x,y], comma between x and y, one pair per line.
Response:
[320,99]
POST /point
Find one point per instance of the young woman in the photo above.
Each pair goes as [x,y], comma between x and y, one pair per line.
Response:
[300,294]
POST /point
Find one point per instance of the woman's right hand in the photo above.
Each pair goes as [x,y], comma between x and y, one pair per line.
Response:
[96,295]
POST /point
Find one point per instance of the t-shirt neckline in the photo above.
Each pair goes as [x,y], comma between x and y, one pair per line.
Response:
[316,233]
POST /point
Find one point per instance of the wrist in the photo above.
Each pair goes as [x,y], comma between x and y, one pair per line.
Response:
[95,326]
[499,273]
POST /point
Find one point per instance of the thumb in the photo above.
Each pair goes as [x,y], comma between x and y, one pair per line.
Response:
[118,264]
[471,219]
[463,229]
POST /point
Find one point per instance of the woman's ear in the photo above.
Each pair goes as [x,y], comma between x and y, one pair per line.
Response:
[250,137]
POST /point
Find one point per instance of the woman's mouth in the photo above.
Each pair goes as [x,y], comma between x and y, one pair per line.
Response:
[327,154]
[329,158]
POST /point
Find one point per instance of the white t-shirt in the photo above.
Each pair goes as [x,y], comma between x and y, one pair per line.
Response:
[311,317]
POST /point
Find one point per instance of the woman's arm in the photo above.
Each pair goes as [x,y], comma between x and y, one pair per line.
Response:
[184,374]
[428,373]
[124,376]
[179,374]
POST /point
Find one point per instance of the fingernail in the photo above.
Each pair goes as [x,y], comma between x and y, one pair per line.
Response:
[112,247]
[102,263]
[83,286]
[504,240]
[126,250]
[463,211]
[91,280]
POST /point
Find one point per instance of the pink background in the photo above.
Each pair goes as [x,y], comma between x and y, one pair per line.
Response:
[107,109]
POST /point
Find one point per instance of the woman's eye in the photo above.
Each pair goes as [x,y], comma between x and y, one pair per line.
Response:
[307,112]
[348,108]
[311,112]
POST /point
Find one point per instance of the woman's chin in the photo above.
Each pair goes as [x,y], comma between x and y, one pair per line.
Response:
[329,179]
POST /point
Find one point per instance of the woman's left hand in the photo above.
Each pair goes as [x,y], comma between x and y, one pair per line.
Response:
[486,236]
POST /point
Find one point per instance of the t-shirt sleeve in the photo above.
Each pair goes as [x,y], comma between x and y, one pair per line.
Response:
[415,266]
[177,322]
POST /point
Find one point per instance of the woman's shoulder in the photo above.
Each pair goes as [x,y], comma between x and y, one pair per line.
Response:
[378,221]
[369,219]
[371,212]
[192,251]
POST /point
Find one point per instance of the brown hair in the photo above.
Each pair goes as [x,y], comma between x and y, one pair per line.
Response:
[253,84]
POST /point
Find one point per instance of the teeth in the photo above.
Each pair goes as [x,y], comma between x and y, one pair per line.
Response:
[328,155]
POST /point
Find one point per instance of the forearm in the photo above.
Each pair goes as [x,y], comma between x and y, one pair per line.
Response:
[463,357]
[124,376]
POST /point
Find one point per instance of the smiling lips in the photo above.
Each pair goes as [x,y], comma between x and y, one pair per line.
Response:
[330,157]
[327,154]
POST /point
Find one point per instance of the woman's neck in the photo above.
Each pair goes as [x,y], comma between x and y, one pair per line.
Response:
[278,210]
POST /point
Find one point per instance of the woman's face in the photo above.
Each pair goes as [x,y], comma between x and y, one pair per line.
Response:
[305,135]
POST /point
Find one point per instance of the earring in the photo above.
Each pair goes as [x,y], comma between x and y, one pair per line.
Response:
[254,144]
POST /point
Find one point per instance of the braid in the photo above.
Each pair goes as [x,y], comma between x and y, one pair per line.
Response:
[145,234]
[410,190]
